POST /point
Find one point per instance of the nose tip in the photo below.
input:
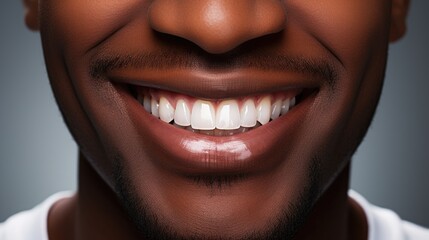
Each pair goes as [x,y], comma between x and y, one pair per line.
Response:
[217,26]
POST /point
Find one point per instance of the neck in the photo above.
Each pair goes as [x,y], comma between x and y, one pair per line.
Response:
[99,214]
[335,216]
[95,213]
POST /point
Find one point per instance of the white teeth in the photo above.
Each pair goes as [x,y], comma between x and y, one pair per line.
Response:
[182,116]
[248,114]
[263,110]
[203,115]
[228,115]
[146,103]
[285,106]
[154,107]
[276,109]
[166,111]
[292,102]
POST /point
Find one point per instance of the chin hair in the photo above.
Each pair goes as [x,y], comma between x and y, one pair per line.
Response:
[150,225]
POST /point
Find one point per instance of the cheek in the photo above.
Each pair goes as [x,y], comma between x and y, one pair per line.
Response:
[349,29]
[77,26]
[356,33]
[69,28]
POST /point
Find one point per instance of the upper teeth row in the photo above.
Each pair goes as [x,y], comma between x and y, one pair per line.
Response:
[228,115]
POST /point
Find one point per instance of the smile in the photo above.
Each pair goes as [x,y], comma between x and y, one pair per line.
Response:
[224,117]
[199,123]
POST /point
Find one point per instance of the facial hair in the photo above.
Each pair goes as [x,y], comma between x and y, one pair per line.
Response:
[283,226]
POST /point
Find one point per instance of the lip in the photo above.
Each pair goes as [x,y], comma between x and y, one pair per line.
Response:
[188,153]
[217,85]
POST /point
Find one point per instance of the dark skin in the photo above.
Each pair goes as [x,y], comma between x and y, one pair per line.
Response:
[289,176]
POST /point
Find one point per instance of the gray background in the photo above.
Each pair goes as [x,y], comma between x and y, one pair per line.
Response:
[38,156]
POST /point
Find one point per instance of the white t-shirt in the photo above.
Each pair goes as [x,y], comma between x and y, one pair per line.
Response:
[383,224]
[31,224]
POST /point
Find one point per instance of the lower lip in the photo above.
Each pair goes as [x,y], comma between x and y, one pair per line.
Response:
[191,153]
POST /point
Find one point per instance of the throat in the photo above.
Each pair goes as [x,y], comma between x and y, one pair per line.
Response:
[96,207]
[330,216]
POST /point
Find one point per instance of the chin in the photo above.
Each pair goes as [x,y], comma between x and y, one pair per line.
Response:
[217,207]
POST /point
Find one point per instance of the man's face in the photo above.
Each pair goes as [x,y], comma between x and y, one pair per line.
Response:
[266,101]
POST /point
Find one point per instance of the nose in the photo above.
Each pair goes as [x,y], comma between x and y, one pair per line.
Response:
[217,26]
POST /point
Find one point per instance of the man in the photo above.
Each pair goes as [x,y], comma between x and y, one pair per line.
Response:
[215,119]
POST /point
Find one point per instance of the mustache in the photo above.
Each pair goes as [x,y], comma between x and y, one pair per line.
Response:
[163,60]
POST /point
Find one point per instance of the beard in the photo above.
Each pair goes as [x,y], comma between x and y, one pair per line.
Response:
[285,225]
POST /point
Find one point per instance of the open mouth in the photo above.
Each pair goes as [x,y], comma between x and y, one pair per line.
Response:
[217,117]
[199,122]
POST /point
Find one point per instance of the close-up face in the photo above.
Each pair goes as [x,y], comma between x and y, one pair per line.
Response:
[217,118]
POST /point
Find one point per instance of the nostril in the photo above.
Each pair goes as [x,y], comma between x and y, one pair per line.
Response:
[217,26]
[163,19]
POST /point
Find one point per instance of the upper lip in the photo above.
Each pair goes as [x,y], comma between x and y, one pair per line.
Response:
[216,85]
